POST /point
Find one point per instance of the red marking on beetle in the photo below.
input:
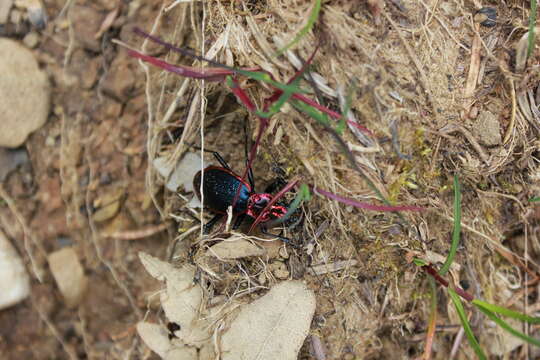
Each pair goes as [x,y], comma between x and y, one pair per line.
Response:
[257,203]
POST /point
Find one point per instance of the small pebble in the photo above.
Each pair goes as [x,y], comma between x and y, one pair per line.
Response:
[280,270]
[24,93]
[283,253]
[487,129]
[69,275]
[31,39]
[14,280]
[486,16]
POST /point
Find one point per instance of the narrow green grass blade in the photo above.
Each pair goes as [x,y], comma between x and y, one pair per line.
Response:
[465,323]
[535,199]
[302,195]
[266,78]
[420,262]
[312,112]
[457,228]
[283,98]
[503,324]
[311,21]
[506,312]
[532,25]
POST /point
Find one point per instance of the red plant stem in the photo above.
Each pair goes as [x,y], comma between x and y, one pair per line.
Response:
[278,196]
[277,93]
[219,74]
[431,271]
[430,334]
[244,99]
[242,96]
[363,205]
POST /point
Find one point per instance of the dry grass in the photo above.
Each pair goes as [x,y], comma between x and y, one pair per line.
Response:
[429,69]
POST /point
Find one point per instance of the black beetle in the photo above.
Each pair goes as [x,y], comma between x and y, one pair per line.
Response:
[221,187]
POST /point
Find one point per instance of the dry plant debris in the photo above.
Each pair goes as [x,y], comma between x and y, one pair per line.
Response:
[430,82]
[271,327]
[235,249]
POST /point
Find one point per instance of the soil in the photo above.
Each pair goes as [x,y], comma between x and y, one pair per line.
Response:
[88,182]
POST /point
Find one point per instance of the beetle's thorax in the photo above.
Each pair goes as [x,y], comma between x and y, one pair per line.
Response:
[258,201]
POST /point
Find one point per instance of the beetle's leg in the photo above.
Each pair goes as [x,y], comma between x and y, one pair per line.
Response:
[208,226]
[221,160]
[250,178]
[265,231]
[239,219]
[218,157]
[246,154]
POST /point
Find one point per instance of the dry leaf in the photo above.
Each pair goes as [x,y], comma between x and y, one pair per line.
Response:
[182,174]
[236,249]
[272,327]
[154,337]
[182,299]
[158,341]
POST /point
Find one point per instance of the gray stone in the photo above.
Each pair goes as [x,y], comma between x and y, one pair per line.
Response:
[24,94]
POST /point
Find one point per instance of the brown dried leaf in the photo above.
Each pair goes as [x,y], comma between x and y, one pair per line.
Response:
[182,299]
[272,327]
[235,250]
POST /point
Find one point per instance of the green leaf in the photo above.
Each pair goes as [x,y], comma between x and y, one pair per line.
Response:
[311,112]
[457,228]
[506,312]
[419,262]
[264,77]
[306,194]
[535,199]
[302,195]
[503,324]
[283,98]
[465,323]
[303,32]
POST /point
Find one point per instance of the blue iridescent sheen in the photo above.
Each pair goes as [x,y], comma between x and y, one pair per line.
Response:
[220,187]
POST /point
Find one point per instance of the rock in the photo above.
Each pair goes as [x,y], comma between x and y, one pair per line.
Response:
[31,39]
[14,280]
[487,129]
[86,22]
[68,274]
[5,6]
[120,79]
[279,269]
[10,160]
[24,94]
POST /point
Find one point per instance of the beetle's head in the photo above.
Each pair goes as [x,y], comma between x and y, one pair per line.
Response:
[257,203]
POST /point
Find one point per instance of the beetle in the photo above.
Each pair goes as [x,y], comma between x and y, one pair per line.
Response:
[221,186]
